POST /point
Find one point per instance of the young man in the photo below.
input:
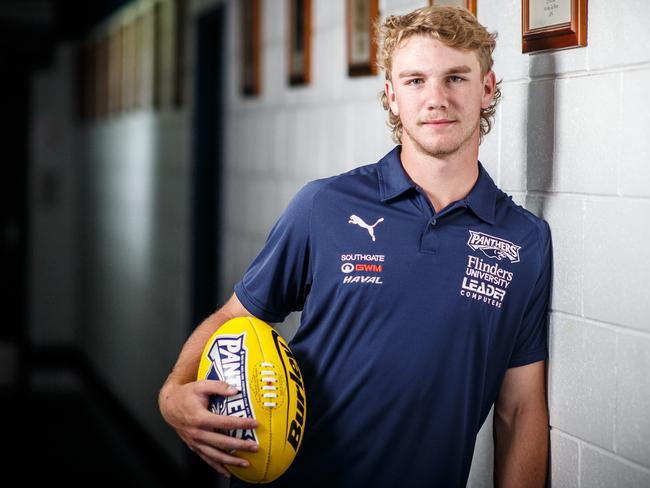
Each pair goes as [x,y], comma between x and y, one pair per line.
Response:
[424,292]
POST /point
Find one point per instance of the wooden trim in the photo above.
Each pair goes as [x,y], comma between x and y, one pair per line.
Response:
[560,36]
[369,67]
[180,19]
[303,77]
[251,61]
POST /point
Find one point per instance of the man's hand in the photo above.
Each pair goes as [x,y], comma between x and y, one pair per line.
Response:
[185,408]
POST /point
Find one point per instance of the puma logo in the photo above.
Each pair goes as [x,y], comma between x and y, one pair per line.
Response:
[370,228]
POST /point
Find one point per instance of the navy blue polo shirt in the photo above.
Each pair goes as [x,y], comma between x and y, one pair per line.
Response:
[410,319]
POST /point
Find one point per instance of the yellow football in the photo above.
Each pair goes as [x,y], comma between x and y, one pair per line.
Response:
[249,354]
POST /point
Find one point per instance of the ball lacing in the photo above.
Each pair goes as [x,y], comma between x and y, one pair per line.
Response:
[269,382]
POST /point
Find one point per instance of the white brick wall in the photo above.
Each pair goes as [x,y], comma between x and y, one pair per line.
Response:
[570,142]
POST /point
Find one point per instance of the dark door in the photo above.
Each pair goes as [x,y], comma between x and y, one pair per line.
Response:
[207,185]
[13,217]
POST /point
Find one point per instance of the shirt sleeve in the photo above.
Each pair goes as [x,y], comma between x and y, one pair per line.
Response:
[278,280]
[532,340]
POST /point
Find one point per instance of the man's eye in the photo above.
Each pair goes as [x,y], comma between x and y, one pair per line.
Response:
[456,79]
[415,81]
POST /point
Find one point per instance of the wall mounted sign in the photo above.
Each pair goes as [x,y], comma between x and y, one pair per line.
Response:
[299,42]
[362,50]
[553,24]
[250,17]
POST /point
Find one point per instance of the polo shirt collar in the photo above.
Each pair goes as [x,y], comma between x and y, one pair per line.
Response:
[482,199]
[394,181]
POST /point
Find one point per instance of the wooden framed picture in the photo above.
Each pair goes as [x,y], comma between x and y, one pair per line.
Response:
[169,33]
[101,68]
[299,42]
[361,47]
[180,18]
[163,52]
[468,4]
[145,32]
[128,65]
[115,66]
[553,24]
[250,29]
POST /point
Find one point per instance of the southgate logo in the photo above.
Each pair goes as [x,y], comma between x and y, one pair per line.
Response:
[228,356]
[371,265]
[493,247]
[370,228]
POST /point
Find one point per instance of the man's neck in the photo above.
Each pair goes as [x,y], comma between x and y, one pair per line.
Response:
[443,179]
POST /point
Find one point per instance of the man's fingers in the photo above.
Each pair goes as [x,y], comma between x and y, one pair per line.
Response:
[220,457]
[225,442]
[214,387]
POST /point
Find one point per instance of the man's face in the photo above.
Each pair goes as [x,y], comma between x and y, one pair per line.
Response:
[438,92]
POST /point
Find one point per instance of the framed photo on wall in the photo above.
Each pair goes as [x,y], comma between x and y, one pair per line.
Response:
[115,68]
[468,4]
[553,24]
[299,42]
[128,65]
[251,76]
[180,18]
[101,78]
[361,47]
[145,24]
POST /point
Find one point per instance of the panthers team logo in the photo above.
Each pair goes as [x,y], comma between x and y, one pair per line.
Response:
[228,363]
[493,247]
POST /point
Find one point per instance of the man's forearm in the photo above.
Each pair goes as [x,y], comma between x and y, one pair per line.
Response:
[521,449]
[187,364]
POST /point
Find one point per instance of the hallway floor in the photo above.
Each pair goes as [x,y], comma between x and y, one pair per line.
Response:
[55,430]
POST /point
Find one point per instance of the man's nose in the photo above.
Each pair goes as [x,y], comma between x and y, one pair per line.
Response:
[436,95]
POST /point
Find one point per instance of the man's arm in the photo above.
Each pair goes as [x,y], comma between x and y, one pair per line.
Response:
[183,401]
[521,428]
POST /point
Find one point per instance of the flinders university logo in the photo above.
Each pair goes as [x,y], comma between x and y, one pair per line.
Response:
[493,247]
[228,358]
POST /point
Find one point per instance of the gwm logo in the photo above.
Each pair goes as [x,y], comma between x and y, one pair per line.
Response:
[493,247]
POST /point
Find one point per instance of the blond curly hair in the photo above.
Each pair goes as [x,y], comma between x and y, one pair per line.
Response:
[454,26]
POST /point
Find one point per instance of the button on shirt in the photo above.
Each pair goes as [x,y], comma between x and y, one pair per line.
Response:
[410,319]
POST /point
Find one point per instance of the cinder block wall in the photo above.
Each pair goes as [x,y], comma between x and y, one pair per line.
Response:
[571,143]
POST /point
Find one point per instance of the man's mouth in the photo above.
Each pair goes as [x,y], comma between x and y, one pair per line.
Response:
[438,122]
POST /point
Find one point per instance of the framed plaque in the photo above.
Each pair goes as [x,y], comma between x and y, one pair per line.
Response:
[163,54]
[553,24]
[180,19]
[115,68]
[299,42]
[250,17]
[362,50]
[128,65]
[101,67]
[468,4]
[144,27]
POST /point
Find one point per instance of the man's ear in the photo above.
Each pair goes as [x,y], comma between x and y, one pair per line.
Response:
[489,89]
[390,95]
